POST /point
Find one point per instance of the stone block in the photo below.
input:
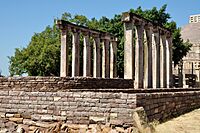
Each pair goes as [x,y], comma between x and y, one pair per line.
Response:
[4,93]
[17,115]
[94,119]
[17,120]
[46,117]
[35,117]
[60,118]
[29,122]
[43,124]
[57,98]
[113,115]
[9,115]
[14,93]
[2,114]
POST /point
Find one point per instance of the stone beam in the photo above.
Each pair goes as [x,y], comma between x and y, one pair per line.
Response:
[129,17]
[62,24]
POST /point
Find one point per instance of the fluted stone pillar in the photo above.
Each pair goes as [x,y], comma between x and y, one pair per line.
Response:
[129,66]
[163,78]
[169,62]
[86,56]
[97,58]
[105,59]
[156,59]
[64,54]
[75,54]
[139,66]
[148,58]
[113,59]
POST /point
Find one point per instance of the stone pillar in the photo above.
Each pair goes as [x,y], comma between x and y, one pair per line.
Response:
[75,54]
[148,58]
[64,54]
[184,78]
[86,56]
[113,59]
[139,66]
[105,59]
[156,59]
[163,80]
[129,66]
[97,58]
[169,62]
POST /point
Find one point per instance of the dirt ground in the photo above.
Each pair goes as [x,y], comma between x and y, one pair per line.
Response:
[187,123]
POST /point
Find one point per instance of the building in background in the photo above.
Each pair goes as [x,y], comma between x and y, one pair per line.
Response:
[194,18]
[191,63]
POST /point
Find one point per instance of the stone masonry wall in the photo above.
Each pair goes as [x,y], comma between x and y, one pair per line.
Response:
[71,107]
[62,84]
[164,105]
[55,99]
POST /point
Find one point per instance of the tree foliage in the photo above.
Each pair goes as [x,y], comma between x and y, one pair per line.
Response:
[42,55]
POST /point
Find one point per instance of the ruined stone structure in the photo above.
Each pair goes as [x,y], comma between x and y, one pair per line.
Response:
[148,53]
[104,64]
[40,100]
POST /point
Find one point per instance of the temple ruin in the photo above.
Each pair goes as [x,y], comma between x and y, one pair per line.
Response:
[91,94]
[147,52]
[107,57]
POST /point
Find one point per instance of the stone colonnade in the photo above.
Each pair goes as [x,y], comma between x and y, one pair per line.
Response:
[147,53]
[104,51]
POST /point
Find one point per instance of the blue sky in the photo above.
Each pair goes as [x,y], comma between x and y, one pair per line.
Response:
[20,19]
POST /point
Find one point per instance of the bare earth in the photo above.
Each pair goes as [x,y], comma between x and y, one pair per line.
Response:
[188,123]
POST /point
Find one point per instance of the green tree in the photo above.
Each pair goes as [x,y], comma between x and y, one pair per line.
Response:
[41,57]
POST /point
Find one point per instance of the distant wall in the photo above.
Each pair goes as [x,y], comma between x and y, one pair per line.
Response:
[62,84]
[72,100]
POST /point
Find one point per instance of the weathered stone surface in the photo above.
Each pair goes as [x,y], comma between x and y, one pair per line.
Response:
[9,115]
[94,119]
[42,124]
[78,105]
[29,122]
[17,120]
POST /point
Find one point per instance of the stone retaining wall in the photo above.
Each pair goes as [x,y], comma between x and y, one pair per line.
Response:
[73,107]
[164,105]
[50,99]
[62,84]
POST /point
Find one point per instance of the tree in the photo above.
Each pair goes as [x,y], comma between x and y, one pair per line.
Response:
[42,56]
